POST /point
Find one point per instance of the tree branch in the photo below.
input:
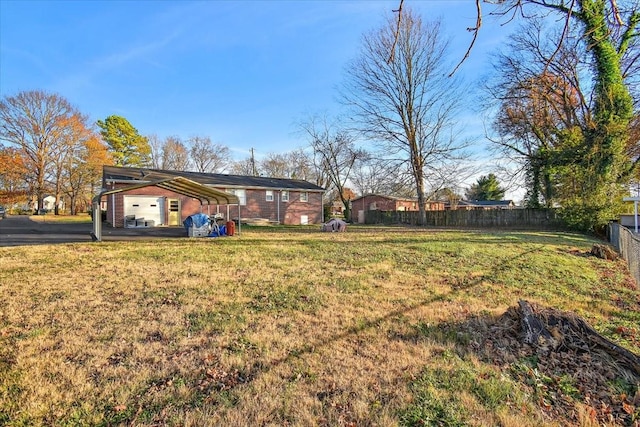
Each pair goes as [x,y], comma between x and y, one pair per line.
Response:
[475,30]
[397,35]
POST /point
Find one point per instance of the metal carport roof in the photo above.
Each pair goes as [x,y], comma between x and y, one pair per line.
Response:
[178,185]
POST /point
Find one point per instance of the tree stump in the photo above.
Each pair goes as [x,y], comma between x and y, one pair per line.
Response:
[534,330]
[552,328]
[604,252]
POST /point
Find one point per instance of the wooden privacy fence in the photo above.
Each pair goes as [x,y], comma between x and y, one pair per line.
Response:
[628,245]
[538,219]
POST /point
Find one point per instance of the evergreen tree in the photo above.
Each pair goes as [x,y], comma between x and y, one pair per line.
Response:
[486,188]
[126,145]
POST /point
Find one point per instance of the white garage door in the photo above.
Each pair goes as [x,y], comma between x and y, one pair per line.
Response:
[147,207]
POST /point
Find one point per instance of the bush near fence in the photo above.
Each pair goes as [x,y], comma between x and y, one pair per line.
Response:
[628,245]
[538,219]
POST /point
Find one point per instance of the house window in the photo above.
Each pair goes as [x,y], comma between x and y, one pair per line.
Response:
[269,196]
[240,193]
[284,195]
[304,196]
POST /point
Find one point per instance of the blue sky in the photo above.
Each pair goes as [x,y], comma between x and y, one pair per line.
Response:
[242,73]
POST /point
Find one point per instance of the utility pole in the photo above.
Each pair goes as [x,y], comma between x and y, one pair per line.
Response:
[253,163]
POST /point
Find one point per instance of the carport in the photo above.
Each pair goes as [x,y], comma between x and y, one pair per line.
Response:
[178,185]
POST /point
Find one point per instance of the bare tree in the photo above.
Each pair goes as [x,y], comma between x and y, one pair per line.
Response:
[34,121]
[405,102]
[301,165]
[156,151]
[74,131]
[335,155]
[372,175]
[448,195]
[275,166]
[449,175]
[83,172]
[293,165]
[175,155]
[368,176]
[246,167]
[208,157]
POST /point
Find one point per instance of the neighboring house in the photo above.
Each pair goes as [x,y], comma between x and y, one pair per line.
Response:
[481,205]
[284,201]
[49,203]
[380,202]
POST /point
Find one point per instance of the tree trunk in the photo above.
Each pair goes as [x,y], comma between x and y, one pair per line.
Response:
[56,208]
[534,329]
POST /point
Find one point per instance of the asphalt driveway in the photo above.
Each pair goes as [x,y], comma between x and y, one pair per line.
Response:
[19,230]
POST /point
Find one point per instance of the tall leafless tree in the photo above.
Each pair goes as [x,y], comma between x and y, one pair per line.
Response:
[175,155]
[245,166]
[295,164]
[156,151]
[34,122]
[372,175]
[405,102]
[209,157]
[275,165]
[301,165]
[75,131]
[334,154]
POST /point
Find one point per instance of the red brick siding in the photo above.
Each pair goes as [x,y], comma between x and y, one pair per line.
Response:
[289,212]
[384,204]
[256,206]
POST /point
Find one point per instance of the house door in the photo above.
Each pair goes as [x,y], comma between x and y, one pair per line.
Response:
[174,212]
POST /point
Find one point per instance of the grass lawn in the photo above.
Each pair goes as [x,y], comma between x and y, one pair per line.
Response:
[289,326]
[63,219]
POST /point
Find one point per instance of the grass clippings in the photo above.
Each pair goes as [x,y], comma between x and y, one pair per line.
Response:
[289,326]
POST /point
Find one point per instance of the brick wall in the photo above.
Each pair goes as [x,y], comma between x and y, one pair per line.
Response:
[285,212]
[289,212]
[384,203]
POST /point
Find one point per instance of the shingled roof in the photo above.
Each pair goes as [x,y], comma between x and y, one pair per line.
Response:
[122,174]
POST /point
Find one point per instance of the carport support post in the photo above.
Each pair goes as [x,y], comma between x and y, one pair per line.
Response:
[96,235]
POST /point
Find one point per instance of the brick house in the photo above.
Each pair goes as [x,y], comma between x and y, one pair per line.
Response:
[388,203]
[277,200]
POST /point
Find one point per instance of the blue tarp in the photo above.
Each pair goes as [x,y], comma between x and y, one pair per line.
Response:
[222,231]
[196,220]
